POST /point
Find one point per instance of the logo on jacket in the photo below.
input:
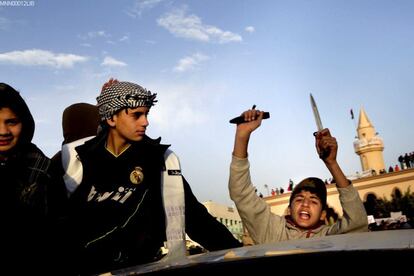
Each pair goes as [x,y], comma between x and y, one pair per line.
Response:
[136,176]
[174,172]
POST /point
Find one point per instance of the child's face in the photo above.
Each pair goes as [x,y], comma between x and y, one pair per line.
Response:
[130,124]
[306,210]
[10,130]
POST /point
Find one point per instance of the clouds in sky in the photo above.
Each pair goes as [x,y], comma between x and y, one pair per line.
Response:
[249,29]
[192,27]
[95,34]
[142,5]
[103,35]
[180,108]
[190,62]
[88,45]
[124,38]
[37,57]
[112,62]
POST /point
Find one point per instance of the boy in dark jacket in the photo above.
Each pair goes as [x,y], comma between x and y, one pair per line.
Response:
[30,199]
[122,211]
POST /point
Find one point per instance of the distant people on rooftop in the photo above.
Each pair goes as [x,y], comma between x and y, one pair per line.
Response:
[401,160]
[406,161]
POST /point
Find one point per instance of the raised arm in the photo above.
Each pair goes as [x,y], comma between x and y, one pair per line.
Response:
[261,223]
[327,148]
[354,217]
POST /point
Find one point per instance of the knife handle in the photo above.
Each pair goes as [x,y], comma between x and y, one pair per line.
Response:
[240,119]
[324,153]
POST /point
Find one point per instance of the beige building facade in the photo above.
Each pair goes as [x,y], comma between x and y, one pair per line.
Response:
[228,216]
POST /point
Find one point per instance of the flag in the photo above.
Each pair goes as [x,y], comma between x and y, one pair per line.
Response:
[352,114]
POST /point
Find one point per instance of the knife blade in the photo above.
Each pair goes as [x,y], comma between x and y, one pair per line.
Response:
[316,113]
[323,153]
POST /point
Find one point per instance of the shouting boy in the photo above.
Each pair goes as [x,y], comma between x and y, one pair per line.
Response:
[307,204]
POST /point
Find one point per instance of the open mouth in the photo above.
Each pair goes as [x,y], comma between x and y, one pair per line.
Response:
[304,215]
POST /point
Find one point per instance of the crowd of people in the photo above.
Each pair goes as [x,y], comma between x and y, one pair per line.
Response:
[406,160]
[112,197]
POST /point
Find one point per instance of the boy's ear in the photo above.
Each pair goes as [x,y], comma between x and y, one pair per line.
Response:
[111,122]
[323,215]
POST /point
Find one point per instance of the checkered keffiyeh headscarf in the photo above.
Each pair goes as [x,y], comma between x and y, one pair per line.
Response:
[123,95]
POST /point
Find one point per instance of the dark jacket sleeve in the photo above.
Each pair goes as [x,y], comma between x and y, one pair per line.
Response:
[57,193]
[202,227]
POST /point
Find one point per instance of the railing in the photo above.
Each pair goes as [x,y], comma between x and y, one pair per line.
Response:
[358,175]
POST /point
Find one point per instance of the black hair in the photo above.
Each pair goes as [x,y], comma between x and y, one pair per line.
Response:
[313,185]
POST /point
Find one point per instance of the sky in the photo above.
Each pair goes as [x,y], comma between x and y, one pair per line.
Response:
[208,61]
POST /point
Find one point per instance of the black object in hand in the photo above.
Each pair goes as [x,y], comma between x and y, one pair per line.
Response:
[240,119]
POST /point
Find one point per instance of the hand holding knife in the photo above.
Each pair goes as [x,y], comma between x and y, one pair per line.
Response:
[240,119]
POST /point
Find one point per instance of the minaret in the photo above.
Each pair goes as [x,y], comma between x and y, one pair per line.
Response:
[369,145]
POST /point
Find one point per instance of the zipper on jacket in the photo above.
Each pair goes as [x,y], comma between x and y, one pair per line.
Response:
[116,227]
